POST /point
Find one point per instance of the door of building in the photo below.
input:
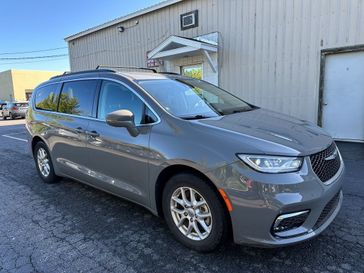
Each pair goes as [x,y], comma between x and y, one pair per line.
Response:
[343,96]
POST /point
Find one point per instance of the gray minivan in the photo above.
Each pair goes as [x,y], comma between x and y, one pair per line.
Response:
[208,162]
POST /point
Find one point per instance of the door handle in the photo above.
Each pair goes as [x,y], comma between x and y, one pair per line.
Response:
[92,133]
[79,130]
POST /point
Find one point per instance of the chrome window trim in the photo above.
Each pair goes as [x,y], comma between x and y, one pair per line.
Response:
[97,119]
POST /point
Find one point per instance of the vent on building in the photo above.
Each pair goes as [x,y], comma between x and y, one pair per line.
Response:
[189,20]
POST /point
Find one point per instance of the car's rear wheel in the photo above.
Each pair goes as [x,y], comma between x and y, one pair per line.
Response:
[194,212]
[44,163]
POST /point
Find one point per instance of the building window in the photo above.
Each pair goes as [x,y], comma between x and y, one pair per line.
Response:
[193,71]
[189,20]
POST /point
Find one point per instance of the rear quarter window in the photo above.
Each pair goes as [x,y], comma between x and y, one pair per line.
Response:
[46,98]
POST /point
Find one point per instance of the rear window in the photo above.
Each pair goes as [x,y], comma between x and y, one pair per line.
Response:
[46,98]
[77,97]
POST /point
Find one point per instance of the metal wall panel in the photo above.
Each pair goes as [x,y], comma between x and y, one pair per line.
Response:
[269,49]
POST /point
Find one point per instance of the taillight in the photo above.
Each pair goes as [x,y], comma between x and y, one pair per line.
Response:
[14,108]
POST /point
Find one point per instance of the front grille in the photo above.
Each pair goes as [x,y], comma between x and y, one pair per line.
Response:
[326,163]
[328,210]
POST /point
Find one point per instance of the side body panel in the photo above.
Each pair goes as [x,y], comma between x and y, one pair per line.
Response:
[118,162]
[65,139]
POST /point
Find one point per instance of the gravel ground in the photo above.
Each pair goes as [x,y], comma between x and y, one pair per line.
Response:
[70,227]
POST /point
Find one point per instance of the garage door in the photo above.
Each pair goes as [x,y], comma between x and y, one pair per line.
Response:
[343,96]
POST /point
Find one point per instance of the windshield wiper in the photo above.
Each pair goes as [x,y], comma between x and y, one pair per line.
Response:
[196,117]
[240,110]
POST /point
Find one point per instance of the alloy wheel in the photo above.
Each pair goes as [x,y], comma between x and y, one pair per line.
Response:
[191,213]
[43,162]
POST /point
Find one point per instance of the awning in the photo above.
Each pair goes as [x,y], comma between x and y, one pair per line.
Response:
[176,46]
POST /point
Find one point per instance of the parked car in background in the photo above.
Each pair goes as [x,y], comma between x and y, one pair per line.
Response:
[208,162]
[14,110]
[2,104]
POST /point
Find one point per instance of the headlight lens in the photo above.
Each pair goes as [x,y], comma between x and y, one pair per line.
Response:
[272,164]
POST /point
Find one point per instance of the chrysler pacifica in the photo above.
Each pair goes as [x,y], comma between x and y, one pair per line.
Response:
[209,163]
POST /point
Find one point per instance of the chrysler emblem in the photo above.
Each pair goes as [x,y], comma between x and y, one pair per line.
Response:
[332,156]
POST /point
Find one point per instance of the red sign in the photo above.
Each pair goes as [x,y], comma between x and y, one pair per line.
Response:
[153,62]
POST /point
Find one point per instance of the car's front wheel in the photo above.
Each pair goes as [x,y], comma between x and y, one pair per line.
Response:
[194,212]
[44,164]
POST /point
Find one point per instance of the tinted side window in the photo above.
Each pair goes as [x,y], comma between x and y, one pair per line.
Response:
[149,116]
[114,96]
[77,97]
[46,98]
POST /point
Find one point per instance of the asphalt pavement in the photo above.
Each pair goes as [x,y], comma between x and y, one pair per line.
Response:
[70,227]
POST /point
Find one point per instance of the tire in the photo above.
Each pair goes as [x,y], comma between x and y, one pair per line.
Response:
[203,191]
[46,172]
[11,116]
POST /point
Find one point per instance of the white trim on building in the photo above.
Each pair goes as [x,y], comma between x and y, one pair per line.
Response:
[174,46]
[122,19]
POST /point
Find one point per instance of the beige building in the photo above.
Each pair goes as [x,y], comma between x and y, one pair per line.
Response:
[18,85]
[304,58]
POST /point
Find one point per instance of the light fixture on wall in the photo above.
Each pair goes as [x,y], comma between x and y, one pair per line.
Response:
[122,28]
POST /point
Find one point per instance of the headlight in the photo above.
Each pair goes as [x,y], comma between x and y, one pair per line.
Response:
[272,164]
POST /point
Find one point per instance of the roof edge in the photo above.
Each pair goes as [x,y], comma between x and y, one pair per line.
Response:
[122,19]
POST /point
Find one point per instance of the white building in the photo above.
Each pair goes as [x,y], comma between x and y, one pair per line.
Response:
[301,57]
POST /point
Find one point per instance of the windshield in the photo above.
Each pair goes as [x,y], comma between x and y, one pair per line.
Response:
[193,99]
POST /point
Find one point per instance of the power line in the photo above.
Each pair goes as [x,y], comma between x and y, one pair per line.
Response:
[33,57]
[55,59]
[33,51]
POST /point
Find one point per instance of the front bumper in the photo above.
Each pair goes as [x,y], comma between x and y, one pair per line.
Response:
[259,198]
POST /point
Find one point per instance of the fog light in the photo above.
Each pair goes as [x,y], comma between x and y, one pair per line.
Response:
[289,221]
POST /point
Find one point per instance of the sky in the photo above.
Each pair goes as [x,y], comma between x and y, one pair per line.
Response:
[37,25]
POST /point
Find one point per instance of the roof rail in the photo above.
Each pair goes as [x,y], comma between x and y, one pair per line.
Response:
[66,73]
[126,67]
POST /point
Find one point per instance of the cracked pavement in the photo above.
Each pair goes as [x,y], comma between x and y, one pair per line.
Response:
[70,227]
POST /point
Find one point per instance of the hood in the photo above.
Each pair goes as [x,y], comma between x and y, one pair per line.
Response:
[271,132]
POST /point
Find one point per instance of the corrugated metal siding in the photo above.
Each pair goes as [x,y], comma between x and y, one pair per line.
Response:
[270,50]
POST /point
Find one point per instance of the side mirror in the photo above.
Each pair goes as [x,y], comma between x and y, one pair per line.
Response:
[123,118]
